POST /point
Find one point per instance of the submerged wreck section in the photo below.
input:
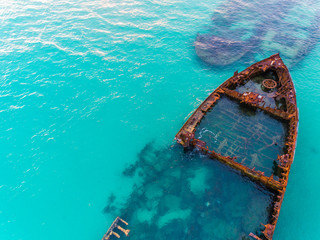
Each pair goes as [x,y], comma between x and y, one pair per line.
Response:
[250,124]
[185,195]
[116,230]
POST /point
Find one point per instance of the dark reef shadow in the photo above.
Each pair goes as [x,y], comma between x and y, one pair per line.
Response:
[185,195]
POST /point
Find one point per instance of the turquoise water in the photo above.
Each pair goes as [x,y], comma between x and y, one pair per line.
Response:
[86,85]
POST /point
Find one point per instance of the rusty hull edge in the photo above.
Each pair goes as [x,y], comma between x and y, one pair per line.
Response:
[115,225]
[186,138]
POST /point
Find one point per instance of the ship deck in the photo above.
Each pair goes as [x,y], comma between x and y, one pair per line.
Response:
[251,135]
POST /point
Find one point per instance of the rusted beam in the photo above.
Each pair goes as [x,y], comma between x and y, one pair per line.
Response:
[252,174]
[254,236]
[116,225]
[272,111]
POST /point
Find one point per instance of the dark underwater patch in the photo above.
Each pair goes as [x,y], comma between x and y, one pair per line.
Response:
[250,31]
[185,195]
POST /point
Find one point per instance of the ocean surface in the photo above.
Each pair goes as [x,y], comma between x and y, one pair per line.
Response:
[90,88]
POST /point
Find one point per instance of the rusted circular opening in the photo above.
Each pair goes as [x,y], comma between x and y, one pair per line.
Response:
[269,83]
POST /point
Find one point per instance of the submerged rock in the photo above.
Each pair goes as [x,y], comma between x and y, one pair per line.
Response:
[173,215]
[145,215]
[219,51]
[198,183]
[253,30]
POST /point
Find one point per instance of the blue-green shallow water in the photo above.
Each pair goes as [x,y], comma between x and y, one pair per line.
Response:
[186,195]
[85,85]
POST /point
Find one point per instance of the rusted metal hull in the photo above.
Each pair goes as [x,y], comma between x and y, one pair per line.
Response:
[115,231]
[288,113]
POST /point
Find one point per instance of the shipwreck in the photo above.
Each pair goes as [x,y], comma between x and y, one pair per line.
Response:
[230,180]
[250,123]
